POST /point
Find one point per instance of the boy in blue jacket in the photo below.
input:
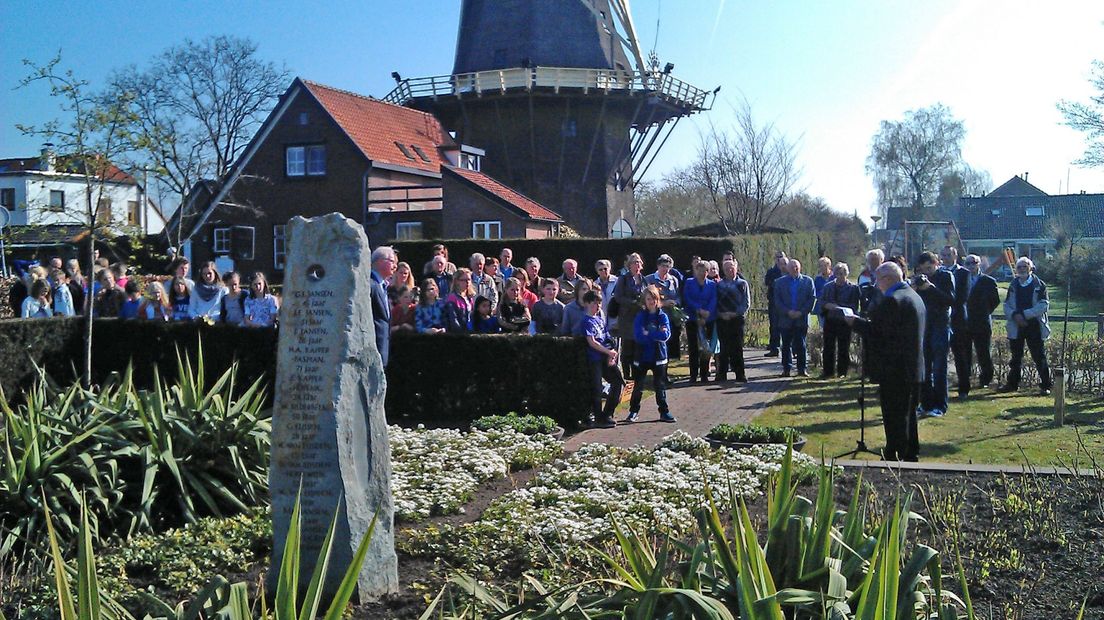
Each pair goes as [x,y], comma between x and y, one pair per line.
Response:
[651,330]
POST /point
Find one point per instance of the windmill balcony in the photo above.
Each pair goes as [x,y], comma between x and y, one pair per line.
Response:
[553,79]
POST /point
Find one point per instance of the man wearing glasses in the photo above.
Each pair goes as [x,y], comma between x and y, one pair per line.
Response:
[981,299]
[1026,307]
[894,335]
[960,338]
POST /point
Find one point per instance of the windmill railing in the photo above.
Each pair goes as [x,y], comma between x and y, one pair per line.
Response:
[557,79]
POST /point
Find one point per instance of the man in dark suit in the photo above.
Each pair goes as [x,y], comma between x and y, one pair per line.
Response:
[960,337]
[982,298]
[794,297]
[384,260]
[936,288]
[779,269]
[894,335]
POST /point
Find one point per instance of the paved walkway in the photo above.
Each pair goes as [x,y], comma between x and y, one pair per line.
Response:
[698,407]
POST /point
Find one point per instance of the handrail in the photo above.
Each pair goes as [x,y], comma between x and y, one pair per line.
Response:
[500,81]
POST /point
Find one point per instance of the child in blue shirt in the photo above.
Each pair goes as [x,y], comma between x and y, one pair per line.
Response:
[651,329]
[602,361]
[482,322]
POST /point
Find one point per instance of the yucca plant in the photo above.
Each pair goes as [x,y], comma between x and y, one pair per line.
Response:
[206,448]
[218,599]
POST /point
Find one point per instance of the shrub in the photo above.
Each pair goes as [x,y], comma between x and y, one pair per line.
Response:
[524,424]
[752,433]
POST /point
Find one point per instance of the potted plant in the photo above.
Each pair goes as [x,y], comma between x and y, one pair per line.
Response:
[526,424]
[747,435]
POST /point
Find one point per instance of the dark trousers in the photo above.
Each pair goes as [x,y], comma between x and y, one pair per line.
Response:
[775,338]
[599,370]
[1033,336]
[899,400]
[731,334]
[837,347]
[981,341]
[793,344]
[674,343]
[659,384]
[960,346]
[628,349]
[697,352]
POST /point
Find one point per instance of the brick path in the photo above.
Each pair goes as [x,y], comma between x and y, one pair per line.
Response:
[698,407]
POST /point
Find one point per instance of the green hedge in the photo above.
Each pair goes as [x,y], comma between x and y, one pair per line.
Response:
[451,379]
[441,379]
[755,253]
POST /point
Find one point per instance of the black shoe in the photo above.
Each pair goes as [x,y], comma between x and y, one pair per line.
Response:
[824,376]
[719,379]
[1004,389]
[771,354]
[693,379]
[741,380]
[786,373]
[1044,391]
[963,395]
[607,423]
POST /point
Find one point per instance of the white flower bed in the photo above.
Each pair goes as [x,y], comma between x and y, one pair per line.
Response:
[572,501]
[435,472]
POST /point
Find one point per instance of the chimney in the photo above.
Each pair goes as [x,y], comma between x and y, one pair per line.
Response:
[47,162]
[1025,177]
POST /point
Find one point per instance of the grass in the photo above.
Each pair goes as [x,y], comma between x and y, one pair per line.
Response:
[1079,306]
[988,428]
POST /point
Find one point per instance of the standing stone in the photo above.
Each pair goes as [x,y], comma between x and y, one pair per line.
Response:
[329,433]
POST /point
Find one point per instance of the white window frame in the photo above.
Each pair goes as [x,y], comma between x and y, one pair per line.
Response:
[252,245]
[220,241]
[618,231]
[295,166]
[1035,211]
[486,233]
[403,231]
[279,247]
[311,152]
[60,207]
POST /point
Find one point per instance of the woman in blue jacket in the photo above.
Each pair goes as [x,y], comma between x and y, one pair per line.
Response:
[651,329]
[700,299]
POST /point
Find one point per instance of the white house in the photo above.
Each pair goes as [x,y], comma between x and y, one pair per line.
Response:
[47,202]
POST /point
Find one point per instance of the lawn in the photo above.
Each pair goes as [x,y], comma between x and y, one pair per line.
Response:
[988,428]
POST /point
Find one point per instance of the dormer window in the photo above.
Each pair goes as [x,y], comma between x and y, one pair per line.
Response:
[1035,211]
[469,161]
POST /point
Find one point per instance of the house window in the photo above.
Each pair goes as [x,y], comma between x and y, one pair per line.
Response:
[487,230]
[7,197]
[469,161]
[316,160]
[405,150]
[421,153]
[568,128]
[279,247]
[103,211]
[57,200]
[242,242]
[134,216]
[995,212]
[221,243]
[621,229]
[407,231]
[296,161]
[304,118]
[1035,211]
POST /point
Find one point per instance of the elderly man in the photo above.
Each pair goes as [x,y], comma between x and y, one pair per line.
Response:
[532,270]
[506,263]
[836,294]
[868,291]
[568,280]
[936,289]
[438,272]
[668,284]
[794,296]
[384,260]
[779,269]
[960,338]
[895,341]
[982,298]
[439,250]
[1026,307]
[483,284]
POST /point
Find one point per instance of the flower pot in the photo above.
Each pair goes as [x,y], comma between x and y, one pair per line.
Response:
[717,443]
[557,433]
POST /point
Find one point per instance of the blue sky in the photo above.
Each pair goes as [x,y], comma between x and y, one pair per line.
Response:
[826,73]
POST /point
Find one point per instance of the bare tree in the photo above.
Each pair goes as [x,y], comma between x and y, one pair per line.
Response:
[910,158]
[1089,118]
[666,206]
[196,107]
[93,139]
[746,175]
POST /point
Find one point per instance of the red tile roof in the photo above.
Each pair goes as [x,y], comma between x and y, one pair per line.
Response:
[63,165]
[530,207]
[375,126]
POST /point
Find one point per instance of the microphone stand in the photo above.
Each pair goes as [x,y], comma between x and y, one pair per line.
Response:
[860,445]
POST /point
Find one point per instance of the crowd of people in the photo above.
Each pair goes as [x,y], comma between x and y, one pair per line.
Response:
[62,290]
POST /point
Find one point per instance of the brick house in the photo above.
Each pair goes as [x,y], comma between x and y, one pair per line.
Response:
[393,169]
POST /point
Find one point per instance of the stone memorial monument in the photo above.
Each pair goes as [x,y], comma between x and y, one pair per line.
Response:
[329,434]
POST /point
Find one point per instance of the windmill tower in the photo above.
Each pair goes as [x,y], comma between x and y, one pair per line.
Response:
[559,96]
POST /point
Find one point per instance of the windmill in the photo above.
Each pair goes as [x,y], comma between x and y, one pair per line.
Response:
[563,102]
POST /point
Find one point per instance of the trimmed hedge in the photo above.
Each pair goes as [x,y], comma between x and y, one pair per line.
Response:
[442,379]
[755,253]
[451,379]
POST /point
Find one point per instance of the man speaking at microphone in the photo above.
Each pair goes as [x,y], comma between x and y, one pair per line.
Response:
[894,335]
